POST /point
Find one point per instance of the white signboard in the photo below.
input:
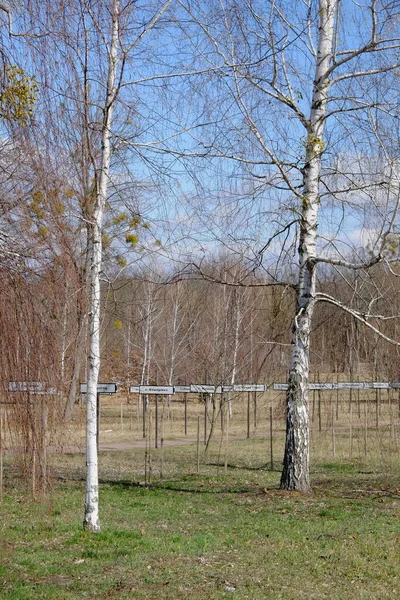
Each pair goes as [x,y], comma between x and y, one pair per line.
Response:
[157,390]
[102,388]
[395,384]
[350,385]
[281,386]
[134,389]
[344,385]
[250,387]
[26,386]
[321,386]
[380,385]
[202,389]
[182,389]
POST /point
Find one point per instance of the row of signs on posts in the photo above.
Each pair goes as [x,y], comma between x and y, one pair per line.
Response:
[107,388]
[36,387]
[346,385]
[160,390]
[197,388]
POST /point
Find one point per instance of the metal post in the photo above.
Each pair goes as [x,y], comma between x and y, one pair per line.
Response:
[156,425]
[226,445]
[351,429]
[248,415]
[337,399]
[313,405]
[365,429]
[319,411]
[144,400]
[271,447]
[149,450]
[162,444]
[98,419]
[205,417]
[186,415]
[198,445]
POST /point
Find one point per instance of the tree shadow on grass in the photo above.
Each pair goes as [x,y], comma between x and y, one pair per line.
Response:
[264,467]
[208,487]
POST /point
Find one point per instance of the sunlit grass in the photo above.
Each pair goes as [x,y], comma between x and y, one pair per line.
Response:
[206,535]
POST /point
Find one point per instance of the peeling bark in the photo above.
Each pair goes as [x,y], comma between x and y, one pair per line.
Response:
[91,519]
[295,474]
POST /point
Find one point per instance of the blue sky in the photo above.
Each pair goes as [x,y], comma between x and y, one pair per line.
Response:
[176,136]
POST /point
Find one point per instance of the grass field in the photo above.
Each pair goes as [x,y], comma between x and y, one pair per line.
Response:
[212,534]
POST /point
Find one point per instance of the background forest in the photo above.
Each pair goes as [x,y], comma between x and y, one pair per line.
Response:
[157,330]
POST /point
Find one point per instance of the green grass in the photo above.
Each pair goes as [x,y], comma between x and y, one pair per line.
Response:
[204,536]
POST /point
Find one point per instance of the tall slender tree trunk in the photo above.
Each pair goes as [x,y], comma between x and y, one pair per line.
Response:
[91,519]
[295,474]
[238,324]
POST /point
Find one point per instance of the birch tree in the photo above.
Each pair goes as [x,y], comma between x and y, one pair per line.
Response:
[116,60]
[91,46]
[91,515]
[303,102]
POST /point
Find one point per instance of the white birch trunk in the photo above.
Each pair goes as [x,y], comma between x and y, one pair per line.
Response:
[174,335]
[295,475]
[147,316]
[91,519]
[64,343]
[238,324]
[147,338]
